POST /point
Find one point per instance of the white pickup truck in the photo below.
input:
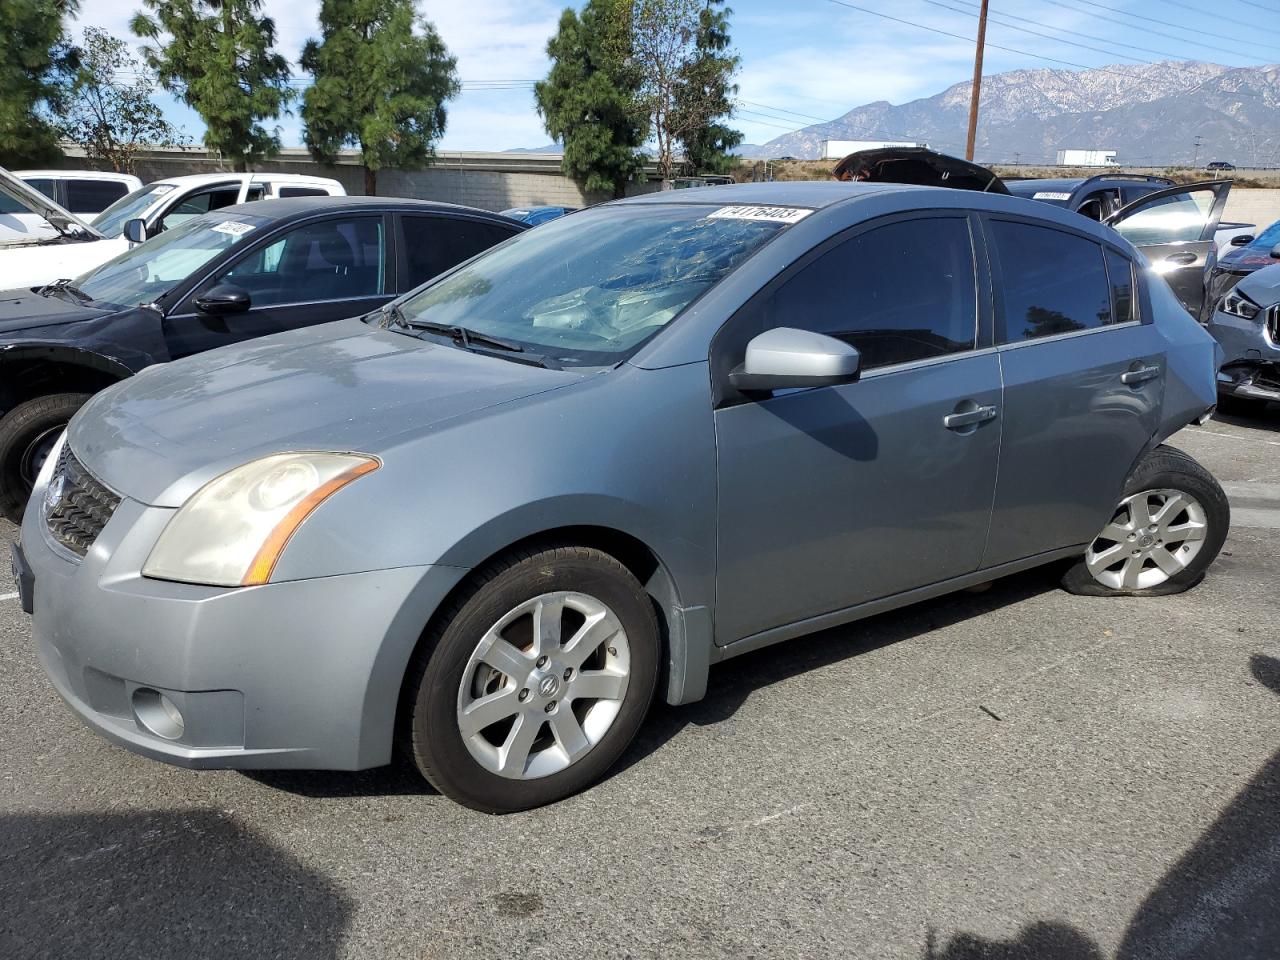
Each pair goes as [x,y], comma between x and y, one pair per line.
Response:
[75,246]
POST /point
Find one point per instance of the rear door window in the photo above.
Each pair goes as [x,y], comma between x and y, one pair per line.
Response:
[434,244]
[93,196]
[901,292]
[1053,282]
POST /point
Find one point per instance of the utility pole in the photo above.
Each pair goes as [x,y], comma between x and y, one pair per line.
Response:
[977,82]
[1195,157]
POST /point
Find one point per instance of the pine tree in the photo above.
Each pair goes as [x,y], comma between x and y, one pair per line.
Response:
[36,63]
[707,92]
[588,101]
[217,56]
[382,78]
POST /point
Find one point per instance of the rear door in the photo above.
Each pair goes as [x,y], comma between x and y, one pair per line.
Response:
[1083,371]
[1174,228]
[316,272]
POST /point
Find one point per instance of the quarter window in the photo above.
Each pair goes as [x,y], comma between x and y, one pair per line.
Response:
[1053,282]
[434,244]
[330,260]
[1120,273]
[902,292]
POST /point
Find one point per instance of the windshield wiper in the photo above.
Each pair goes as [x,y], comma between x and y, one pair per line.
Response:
[466,336]
[58,286]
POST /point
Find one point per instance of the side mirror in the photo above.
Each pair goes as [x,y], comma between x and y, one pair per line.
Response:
[135,231]
[1242,240]
[785,357]
[223,298]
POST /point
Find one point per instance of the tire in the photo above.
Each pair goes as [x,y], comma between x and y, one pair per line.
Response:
[1181,498]
[484,768]
[26,432]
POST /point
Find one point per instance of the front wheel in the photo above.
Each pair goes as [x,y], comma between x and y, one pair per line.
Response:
[536,681]
[1168,527]
[27,435]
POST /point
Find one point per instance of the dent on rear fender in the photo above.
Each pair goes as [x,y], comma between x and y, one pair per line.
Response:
[1192,359]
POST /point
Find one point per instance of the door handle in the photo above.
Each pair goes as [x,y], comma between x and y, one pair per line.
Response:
[1141,375]
[968,418]
[1180,258]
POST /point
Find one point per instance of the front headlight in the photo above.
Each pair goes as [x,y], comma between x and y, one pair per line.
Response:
[1238,305]
[231,532]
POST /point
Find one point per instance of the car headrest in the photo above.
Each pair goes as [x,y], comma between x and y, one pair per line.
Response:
[336,249]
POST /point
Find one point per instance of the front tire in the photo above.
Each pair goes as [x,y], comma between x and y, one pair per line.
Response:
[1169,526]
[535,681]
[27,434]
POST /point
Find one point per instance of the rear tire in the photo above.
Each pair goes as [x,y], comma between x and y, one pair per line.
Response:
[1169,526]
[27,433]
[560,648]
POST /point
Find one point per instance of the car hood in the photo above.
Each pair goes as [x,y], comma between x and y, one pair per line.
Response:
[1262,286]
[24,309]
[346,386]
[66,223]
[917,165]
[1247,259]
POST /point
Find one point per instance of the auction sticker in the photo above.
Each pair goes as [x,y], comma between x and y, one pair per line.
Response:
[771,214]
[1050,195]
[235,228]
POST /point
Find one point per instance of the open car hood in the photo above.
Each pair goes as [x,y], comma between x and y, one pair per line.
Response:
[920,166]
[65,222]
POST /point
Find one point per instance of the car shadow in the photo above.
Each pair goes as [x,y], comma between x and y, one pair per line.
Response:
[733,681]
[1268,418]
[1219,902]
[201,885]
[397,779]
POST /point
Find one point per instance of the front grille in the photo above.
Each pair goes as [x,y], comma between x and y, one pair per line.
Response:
[77,506]
[1273,323]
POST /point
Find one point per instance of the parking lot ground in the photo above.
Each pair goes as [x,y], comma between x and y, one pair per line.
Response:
[1016,774]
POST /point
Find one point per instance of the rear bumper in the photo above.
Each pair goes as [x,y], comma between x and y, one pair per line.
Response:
[304,673]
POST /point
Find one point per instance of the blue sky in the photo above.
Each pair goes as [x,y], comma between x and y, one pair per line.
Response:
[802,60]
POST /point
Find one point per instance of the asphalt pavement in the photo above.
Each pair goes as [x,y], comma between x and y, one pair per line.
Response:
[1017,774]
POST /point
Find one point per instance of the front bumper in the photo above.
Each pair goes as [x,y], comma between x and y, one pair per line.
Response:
[304,673]
[1251,354]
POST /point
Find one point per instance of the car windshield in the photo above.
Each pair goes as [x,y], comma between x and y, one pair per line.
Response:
[149,270]
[588,290]
[110,222]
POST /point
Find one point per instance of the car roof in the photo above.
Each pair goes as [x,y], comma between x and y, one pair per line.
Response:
[199,179]
[791,193]
[78,175]
[289,208]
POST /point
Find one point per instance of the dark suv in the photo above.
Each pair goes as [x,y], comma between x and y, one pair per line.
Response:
[244,271]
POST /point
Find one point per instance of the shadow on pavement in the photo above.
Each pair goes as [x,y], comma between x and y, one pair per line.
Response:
[1264,418]
[1221,901]
[399,779]
[199,885]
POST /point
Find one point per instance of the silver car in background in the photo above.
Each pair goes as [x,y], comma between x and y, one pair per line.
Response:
[1247,325]
[487,524]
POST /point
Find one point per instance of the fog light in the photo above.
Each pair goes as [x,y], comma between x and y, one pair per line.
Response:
[157,713]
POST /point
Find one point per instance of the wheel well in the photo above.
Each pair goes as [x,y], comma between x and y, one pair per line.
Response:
[630,551]
[39,372]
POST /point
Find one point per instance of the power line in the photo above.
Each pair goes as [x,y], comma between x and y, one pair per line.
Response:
[968,40]
[1037,33]
[1177,26]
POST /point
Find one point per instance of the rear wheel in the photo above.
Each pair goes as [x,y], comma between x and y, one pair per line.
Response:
[1167,529]
[27,435]
[536,681]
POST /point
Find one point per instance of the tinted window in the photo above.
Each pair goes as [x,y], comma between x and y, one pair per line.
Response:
[330,260]
[93,196]
[195,204]
[301,192]
[1120,273]
[434,244]
[901,292]
[46,187]
[1054,282]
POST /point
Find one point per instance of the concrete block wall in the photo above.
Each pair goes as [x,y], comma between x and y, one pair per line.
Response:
[1261,207]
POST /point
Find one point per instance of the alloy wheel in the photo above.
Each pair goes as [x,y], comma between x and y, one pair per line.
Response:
[1154,536]
[544,685]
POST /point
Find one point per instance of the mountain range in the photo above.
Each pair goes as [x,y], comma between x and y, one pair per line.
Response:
[1150,114]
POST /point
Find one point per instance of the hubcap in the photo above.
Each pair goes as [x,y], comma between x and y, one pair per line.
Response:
[1154,535]
[544,685]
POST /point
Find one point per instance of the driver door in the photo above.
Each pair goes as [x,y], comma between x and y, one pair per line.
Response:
[1174,228]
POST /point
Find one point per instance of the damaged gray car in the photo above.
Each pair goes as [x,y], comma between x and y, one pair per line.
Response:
[1247,325]
[489,526]
[245,271]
